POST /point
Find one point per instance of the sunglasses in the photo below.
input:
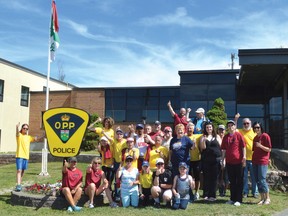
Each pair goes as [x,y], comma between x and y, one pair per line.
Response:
[96,163]
[128,161]
[246,123]
[256,127]
[73,161]
[166,131]
[160,164]
[25,128]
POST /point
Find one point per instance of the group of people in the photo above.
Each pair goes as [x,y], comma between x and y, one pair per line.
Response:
[149,166]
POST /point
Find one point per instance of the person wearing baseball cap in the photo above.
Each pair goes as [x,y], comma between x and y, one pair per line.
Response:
[71,184]
[181,183]
[145,177]
[234,152]
[129,177]
[162,184]
[199,120]
[156,131]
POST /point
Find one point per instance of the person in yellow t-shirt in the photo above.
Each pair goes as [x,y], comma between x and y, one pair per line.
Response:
[145,177]
[107,123]
[195,159]
[23,140]
[132,151]
[248,134]
[106,149]
[157,151]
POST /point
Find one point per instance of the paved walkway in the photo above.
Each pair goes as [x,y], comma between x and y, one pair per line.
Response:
[282,213]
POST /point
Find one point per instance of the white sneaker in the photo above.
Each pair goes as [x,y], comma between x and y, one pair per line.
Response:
[91,205]
[197,196]
[237,204]
[230,202]
[69,209]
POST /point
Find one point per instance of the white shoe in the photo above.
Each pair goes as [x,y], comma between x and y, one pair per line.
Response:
[197,196]
[91,205]
[230,202]
[69,209]
[237,204]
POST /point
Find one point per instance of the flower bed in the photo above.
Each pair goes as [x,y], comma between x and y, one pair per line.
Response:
[45,189]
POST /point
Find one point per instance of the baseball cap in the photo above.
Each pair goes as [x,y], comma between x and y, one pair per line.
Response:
[145,163]
[182,164]
[159,160]
[221,126]
[119,131]
[168,129]
[200,110]
[139,126]
[230,121]
[129,157]
[130,139]
[104,138]
[72,159]
[157,123]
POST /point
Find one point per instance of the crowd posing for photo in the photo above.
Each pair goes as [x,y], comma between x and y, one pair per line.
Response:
[148,166]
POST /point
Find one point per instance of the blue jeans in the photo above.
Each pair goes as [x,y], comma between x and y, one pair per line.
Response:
[260,172]
[128,197]
[247,169]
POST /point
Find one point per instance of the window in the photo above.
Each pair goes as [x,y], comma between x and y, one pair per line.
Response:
[1,90]
[24,96]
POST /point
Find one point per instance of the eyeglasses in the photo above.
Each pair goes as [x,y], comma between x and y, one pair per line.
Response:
[246,123]
[159,164]
[96,163]
[256,127]
[25,128]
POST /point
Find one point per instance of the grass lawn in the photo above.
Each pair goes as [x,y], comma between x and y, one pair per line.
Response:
[7,183]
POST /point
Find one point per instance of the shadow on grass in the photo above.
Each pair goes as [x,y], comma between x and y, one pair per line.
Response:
[5,198]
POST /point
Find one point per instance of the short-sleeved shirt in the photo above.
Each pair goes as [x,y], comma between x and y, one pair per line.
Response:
[127,178]
[195,154]
[165,178]
[141,145]
[248,137]
[153,155]
[180,120]
[233,144]
[261,157]
[130,152]
[146,179]
[108,162]
[94,177]
[180,150]
[23,145]
[109,132]
[71,178]
[117,149]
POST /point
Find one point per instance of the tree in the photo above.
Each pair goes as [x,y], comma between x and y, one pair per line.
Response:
[91,139]
[217,113]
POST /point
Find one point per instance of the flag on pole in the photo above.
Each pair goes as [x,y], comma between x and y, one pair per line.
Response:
[54,29]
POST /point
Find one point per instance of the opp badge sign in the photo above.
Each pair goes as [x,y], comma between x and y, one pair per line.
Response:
[65,129]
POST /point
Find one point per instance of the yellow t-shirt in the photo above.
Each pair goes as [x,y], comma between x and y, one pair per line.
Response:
[146,179]
[248,137]
[155,155]
[23,145]
[118,146]
[108,162]
[130,152]
[109,132]
[195,154]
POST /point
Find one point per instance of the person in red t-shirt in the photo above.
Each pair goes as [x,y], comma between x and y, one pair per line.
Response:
[234,151]
[94,177]
[260,160]
[180,118]
[71,183]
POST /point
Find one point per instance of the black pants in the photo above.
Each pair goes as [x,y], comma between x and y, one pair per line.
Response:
[210,178]
[235,175]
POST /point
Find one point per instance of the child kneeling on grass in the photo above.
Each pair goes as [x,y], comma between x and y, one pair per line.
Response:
[181,185]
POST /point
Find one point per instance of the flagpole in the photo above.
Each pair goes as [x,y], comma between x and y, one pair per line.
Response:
[44,170]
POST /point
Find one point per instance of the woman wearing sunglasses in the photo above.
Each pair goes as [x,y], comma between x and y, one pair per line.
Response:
[260,160]
[93,187]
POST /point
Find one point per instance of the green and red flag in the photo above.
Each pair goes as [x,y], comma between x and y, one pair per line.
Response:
[54,29]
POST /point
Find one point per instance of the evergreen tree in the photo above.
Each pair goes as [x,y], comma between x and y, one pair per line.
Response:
[91,139]
[217,113]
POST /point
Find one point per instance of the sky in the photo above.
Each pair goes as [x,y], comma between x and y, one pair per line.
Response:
[127,43]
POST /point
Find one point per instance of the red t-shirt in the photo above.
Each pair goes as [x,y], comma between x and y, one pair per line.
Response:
[178,120]
[233,144]
[261,157]
[93,177]
[71,178]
